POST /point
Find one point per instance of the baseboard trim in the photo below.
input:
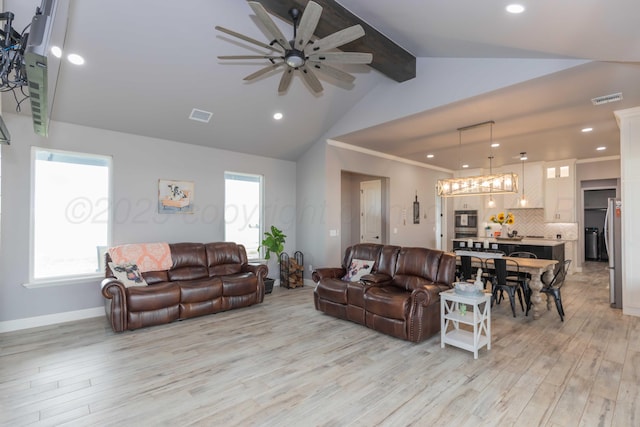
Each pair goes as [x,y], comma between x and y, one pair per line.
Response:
[50,319]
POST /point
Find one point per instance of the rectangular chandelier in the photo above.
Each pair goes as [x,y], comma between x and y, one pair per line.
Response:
[499,183]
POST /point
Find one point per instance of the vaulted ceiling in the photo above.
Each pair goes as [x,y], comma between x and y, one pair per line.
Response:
[149,63]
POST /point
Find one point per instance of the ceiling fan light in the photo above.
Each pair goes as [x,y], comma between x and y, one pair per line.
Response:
[294,59]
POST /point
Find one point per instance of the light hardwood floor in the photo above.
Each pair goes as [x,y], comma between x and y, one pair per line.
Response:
[282,363]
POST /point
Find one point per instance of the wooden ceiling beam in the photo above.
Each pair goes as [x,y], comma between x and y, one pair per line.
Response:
[388,58]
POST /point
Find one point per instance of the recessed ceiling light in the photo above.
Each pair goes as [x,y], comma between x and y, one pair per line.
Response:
[429,156]
[277,116]
[585,130]
[495,144]
[75,59]
[601,148]
[465,166]
[56,51]
[515,8]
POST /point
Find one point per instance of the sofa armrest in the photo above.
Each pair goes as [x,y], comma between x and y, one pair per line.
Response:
[376,279]
[427,294]
[260,270]
[327,273]
[116,303]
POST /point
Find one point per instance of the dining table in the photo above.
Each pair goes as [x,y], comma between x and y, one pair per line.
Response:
[535,267]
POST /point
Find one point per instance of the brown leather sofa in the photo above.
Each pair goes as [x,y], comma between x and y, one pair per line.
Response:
[204,279]
[401,295]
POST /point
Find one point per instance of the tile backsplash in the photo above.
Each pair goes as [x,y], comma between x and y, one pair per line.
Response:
[530,222]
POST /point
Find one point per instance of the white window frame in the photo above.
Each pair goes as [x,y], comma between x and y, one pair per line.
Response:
[74,278]
[262,209]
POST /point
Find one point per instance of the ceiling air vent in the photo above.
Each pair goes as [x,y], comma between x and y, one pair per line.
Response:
[614,97]
[200,115]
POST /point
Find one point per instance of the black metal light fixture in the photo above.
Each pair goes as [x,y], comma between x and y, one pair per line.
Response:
[523,200]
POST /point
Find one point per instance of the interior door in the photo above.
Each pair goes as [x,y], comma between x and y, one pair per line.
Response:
[371,211]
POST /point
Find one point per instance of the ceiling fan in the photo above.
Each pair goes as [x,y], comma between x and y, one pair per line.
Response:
[302,53]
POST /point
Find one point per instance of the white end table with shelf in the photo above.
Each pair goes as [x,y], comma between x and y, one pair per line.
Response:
[479,317]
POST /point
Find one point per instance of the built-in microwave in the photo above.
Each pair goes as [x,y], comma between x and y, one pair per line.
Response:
[466,223]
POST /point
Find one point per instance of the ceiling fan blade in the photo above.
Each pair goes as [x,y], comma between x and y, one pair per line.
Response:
[264,70]
[336,39]
[285,81]
[248,39]
[308,24]
[249,57]
[311,79]
[270,26]
[343,57]
[333,72]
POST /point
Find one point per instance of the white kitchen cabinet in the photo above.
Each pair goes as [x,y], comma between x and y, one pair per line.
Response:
[560,191]
[533,186]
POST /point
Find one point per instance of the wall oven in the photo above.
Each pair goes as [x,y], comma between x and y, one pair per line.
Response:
[466,224]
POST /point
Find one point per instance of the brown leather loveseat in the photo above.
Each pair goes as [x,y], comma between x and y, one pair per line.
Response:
[204,279]
[399,297]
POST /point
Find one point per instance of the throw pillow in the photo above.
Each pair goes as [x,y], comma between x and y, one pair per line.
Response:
[357,269]
[128,274]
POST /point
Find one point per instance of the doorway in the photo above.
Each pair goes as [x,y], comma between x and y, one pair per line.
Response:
[595,209]
[351,209]
[371,211]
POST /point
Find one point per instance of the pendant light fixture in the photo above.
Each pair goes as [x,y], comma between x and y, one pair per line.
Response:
[491,203]
[500,183]
[523,200]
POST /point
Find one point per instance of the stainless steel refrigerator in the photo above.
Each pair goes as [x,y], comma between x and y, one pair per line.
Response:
[613,245]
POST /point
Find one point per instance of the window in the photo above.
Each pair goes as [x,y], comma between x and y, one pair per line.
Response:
[70,224]
[0,189]
[243,211]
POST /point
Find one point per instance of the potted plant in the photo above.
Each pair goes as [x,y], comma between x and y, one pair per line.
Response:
[273,242]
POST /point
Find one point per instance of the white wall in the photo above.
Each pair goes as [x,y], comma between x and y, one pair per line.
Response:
[312,206]
[629,123]
[403,178]
[440,81]
[138,163]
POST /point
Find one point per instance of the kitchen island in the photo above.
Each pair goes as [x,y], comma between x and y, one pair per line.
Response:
[542,248]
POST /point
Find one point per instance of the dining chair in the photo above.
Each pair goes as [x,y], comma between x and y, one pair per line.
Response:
[488,272]
[468,268]
[523,277]
[553,289]
[522,254]
[500,283]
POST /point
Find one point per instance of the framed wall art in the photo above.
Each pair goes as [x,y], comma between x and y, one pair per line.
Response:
[175,196]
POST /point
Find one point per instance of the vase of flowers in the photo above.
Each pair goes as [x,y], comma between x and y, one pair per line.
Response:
[504,221]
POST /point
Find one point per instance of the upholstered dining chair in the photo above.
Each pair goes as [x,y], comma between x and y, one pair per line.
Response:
[500,283]
[553,289]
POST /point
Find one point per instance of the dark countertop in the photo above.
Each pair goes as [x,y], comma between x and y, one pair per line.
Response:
[524,241]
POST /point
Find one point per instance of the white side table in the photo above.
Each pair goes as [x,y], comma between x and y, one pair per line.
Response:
[478,315]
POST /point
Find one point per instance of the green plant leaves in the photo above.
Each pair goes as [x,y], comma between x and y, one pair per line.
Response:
[273,242]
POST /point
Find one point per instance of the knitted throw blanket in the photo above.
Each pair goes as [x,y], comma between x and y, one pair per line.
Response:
[147,256]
